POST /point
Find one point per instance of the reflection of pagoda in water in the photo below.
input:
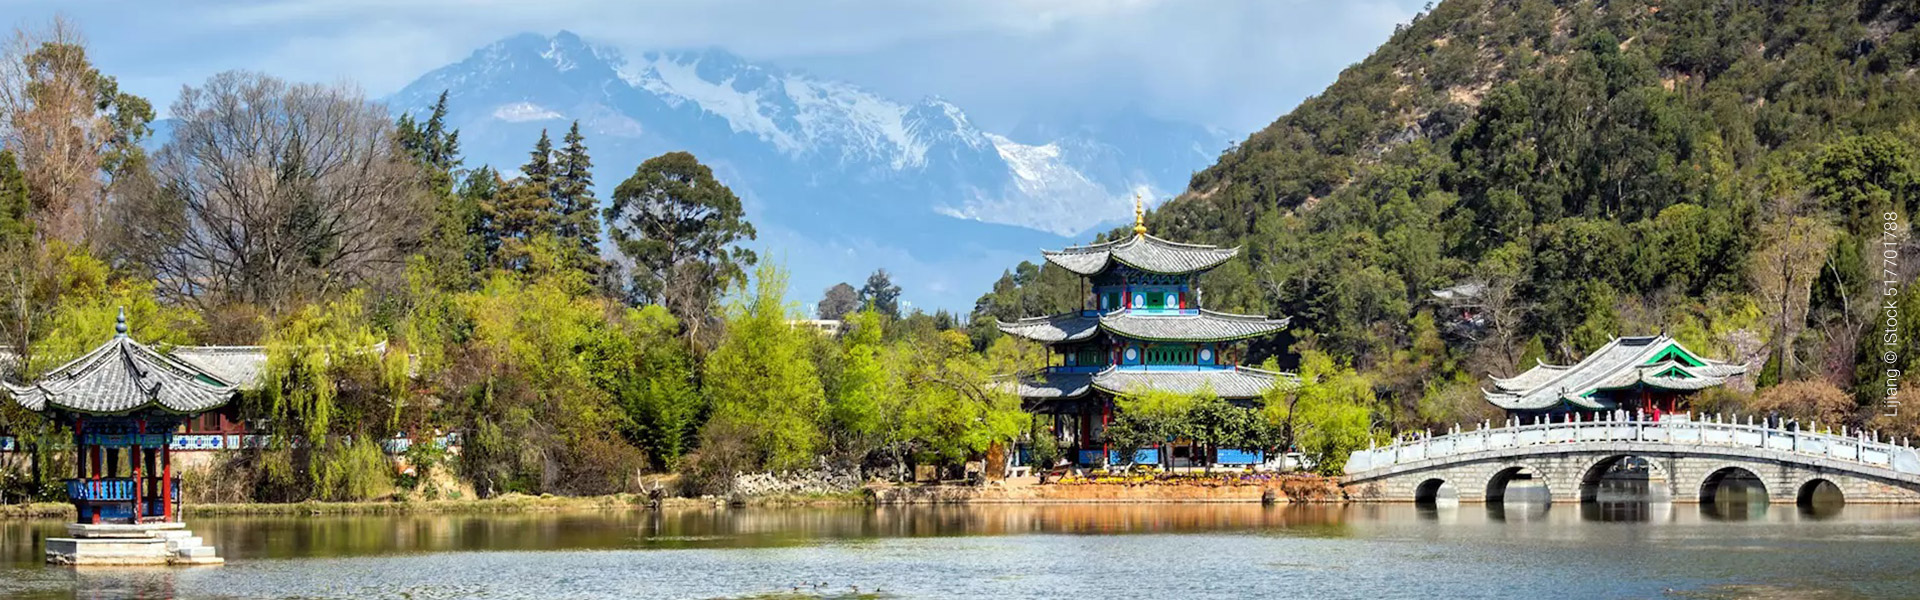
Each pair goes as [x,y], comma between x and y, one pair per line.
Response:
[1142,328]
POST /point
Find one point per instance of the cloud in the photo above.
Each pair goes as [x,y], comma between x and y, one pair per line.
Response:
[1234,64]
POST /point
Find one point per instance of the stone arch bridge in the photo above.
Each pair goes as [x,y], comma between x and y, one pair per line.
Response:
[1684,461]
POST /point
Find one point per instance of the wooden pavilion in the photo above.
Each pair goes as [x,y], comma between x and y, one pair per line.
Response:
[124,401]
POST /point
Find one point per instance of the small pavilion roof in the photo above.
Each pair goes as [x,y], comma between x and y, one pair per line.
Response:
[123,376]
[1143,252]
[1234,383]
[1658,362]
[1200,326]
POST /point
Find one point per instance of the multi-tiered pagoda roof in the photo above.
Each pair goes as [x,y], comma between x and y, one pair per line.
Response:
[1146,330]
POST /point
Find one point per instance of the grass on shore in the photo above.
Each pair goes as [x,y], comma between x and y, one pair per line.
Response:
[502,504]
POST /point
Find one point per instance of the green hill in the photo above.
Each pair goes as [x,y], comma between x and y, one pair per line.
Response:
[1721,170]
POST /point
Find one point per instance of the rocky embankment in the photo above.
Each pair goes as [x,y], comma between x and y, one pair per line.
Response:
[1198,489]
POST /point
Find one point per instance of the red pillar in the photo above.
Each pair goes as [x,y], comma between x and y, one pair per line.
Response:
[166,481]
[139,472]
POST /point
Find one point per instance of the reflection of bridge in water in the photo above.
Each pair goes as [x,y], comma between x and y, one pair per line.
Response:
[1622,458]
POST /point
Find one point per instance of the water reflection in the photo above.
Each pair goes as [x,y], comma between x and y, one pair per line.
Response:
[1518,511]
[1017,551]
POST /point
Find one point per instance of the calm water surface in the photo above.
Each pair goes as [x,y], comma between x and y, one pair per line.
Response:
[1004,552]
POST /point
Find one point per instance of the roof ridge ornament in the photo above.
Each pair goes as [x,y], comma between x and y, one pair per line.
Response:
[120,323]
[1139,216]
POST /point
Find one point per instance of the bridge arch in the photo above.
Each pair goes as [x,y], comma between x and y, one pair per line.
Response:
[1433,490]
[1628,470]
[1497,484]
[1733,483]
[1820,492]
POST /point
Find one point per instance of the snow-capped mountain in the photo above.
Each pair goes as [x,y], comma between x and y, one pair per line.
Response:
[839,179]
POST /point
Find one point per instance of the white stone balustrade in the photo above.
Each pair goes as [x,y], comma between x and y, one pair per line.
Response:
[1860,447]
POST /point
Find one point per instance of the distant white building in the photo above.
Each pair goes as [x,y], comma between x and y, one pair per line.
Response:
[829,327]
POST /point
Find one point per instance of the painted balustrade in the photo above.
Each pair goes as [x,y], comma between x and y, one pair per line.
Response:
[1712,431]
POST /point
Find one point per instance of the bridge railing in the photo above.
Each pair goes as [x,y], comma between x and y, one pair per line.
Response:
[1861,447]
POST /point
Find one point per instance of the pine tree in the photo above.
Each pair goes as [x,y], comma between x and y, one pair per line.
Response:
[16,204]
[525,209]
[431,146]
[480,197]
[579,214]
[456,249]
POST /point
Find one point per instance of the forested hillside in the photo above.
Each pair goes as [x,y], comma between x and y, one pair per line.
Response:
[1723,170]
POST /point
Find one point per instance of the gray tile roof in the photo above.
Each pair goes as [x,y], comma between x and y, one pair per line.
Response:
[1234,383]
[245,366]
[1143,252]
[1043,386]
[1201,326]
[1057,328]
[1621,364]
[1204,326]
[122,376]
[1231,383]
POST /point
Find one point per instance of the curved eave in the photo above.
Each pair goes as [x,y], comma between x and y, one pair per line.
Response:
[1047,386]
[1520,402]
[1083,264]
[1067,327]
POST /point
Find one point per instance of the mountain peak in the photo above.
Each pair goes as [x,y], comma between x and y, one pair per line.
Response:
[848,166]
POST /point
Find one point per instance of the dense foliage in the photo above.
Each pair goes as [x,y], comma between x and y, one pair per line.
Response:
[399,292]
[1722,170]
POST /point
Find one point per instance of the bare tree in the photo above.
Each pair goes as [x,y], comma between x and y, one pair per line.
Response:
[270,193]
[1784,267]
[72,128]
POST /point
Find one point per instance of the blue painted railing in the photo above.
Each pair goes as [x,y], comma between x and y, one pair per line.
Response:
[101,490]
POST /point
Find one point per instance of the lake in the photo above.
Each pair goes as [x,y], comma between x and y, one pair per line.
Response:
[1620,550]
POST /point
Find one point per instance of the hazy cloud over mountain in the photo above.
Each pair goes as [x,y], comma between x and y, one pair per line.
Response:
[1233,65]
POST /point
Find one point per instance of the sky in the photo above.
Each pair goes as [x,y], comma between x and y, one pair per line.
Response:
[1233,65]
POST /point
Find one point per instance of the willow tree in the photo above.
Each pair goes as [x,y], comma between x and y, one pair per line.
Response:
[1327,415]
[332,393]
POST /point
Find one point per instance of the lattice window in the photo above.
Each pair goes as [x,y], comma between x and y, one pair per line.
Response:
[1170,355]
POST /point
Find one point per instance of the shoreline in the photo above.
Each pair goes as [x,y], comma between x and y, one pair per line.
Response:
[1298,491]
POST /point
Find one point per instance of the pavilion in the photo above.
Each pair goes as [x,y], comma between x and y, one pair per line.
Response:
[1634,374]
[123,402]
[1141,328]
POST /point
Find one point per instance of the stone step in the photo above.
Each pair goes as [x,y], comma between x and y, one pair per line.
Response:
[200,560]
[177,544]
[195,552]
[173,534]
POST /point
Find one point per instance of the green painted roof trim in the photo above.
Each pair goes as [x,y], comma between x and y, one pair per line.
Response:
[1676,353]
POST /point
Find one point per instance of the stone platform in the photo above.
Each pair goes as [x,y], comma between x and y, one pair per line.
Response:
[146,544]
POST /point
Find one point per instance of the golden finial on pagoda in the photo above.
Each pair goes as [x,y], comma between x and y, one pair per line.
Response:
[1139,216]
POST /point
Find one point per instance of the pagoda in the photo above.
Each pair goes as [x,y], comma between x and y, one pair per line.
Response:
[1141,329]
[124,401]
[1645,374]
